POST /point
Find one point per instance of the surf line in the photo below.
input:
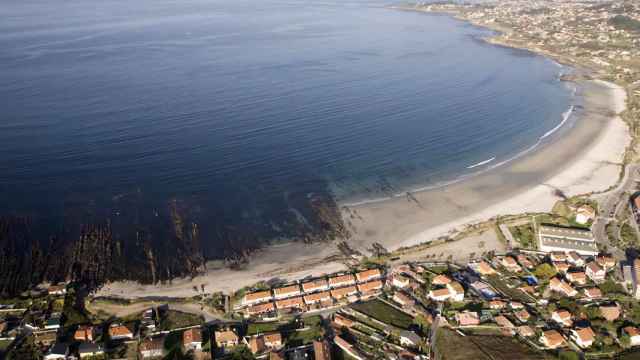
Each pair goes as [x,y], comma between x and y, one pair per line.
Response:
[565,116]
[481,163]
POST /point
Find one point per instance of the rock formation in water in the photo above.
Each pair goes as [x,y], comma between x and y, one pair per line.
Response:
[132,238]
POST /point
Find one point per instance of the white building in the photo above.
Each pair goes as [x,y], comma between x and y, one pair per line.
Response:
[556,238]
[583,337]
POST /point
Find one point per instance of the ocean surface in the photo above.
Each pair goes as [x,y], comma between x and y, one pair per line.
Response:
[251,107]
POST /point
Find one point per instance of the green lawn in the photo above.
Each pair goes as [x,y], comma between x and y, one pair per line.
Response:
[385,313]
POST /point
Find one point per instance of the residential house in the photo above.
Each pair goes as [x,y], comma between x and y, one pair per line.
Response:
[561,266]
[371,286]
[400,281]
[485,269]
[525,261]
[577,277]
[403,299]
[511,264]
[315,285]
[152,347]
[287,291]
[59,289]
[610,312]
[261,309]
[341,280]
[584,214]
[522,315]
[318,297]
[516,305]
[552,339]
[592,293]
[441,280]
[257,297]
[344,292]
[467,318]
[290,303]
[584,337]
[84,333]
[558,256]
[442,294]
[575,259]
[503,322]
[562,287]
[525,331]
[606,261]
[497,304]
[45,338]
[595,272]
[368,275]
[348,348]
[634,335]
[456,290]
[120,332]
[410,339]
[226,339]
[562,317]
[192,339]
[264,342]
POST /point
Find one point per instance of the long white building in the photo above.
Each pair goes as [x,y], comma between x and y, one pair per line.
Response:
[565,239]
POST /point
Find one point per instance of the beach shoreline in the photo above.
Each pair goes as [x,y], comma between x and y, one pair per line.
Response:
[583,158]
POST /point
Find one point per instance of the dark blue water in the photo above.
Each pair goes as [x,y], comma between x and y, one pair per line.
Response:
[250,104]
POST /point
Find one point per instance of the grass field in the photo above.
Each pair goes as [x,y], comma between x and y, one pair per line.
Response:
[511,292]
[525,235]
[172,319]
[255,328]
[385,313]
[452,346]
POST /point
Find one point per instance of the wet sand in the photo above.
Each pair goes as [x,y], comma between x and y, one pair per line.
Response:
[583,157]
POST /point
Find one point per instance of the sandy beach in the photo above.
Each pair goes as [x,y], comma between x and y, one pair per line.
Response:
[584,156]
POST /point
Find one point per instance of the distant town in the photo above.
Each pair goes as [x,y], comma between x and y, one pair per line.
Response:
[567,287]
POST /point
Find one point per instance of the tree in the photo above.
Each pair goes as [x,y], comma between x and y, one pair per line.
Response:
[545,272]
[611,287]
[593,312]
[625,340]
[242,353]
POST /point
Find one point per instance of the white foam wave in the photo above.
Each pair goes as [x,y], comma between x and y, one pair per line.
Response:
[481,163]
[565,116]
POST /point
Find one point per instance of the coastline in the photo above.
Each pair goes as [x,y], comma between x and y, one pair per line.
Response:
[584,158]
[587,158]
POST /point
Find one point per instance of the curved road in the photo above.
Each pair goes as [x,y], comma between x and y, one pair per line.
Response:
[611,203]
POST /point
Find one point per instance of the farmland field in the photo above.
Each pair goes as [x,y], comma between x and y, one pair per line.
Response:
[452,346]
[385,313]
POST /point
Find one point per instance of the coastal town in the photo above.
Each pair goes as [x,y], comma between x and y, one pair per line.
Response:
[566,286]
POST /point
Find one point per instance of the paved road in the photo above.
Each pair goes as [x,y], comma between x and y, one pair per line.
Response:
[611,203]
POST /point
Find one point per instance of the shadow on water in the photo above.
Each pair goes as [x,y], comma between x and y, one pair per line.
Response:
[149,238]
